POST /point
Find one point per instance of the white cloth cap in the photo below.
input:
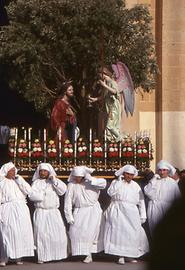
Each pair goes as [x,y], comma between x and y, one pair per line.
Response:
[80,171]
[6,168]
[128,169]
[44,166]
[163,164]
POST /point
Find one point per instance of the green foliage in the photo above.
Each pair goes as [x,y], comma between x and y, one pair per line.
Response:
[49,40]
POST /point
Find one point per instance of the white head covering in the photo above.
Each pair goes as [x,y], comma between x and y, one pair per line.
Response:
[44,166]
[128,169]
[6,168]
[163,164]
[80,171]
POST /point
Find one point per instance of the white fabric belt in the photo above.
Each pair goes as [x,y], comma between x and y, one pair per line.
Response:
[49,208]
[162,201]
[121,201]
[13,201]
[85,206]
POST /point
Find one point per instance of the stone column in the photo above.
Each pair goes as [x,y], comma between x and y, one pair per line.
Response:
[173,82]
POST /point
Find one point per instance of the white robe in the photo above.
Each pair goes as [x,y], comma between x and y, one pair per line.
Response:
[49,230]
[124,235]
[15,222]
[86,234]
[161,193]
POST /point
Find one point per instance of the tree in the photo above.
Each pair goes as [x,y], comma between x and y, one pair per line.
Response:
[49,40]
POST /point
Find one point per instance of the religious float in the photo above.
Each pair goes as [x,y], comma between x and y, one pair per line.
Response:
[28,147]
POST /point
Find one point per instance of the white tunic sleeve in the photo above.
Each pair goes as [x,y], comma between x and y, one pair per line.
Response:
[68,205]
[59,186]
[99,183]
[23,185]
[0,196]
[114,187]
[0,203]
[36,195]
[141,206]
[177,192]
[152,189]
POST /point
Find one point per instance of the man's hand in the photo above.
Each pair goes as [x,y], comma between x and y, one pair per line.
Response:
[88,177]
[53,180]
[16,178]
[69,111]
[143,220]
[92,99]
[71,221]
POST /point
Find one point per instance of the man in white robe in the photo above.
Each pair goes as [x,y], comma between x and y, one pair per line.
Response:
[15,222]
[49,230]
[162,191]
[124,235]
[83,212]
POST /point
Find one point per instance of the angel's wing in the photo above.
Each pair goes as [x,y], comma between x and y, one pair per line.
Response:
[125,85]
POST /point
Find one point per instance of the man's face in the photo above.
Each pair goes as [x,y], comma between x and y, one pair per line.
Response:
[128,176]
[70,91]
[175,176]
[44,174]
[78,179]
[11,174]
[163,173]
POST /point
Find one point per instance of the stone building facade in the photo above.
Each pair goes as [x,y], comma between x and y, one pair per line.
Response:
[163,111]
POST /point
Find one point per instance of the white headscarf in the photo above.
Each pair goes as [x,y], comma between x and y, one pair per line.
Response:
[44,166]
[80,171]
[6,168]
[128,169]
[163,164]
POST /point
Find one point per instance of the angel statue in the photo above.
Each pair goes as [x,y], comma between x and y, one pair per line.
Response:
[117,92]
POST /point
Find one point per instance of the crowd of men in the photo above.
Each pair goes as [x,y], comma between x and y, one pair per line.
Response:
[119,230]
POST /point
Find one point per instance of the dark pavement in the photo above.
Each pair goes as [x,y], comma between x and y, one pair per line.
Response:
[77,265]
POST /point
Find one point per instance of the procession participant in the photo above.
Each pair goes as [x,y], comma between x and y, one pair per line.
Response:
[177,175]
[49,230]
[124,234]
[146,176]
[64,114]
[182,174]
[181,185]
[15,223]
[86,224]
[162,191]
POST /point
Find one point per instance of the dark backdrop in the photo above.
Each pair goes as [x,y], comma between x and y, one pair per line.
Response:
[15,111]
